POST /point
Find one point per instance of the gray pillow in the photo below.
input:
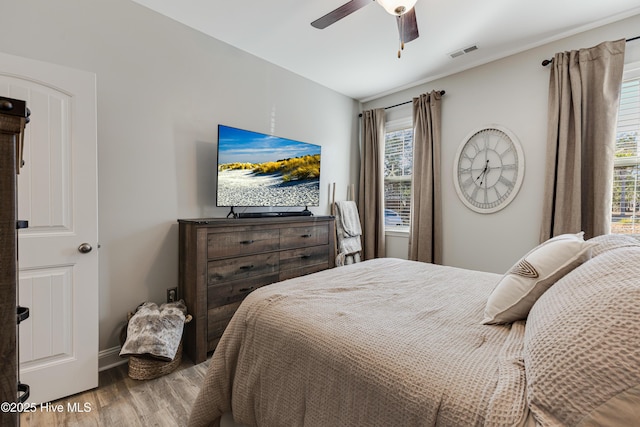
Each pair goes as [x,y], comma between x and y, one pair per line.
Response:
[582,345]
[607,242]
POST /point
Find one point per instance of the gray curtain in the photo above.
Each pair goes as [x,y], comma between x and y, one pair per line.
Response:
[371,194]
[584,93]
[425,234]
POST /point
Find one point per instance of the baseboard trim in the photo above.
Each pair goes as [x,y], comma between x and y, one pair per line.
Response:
[110,358]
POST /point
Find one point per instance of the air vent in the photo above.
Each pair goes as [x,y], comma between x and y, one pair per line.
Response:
[462,51]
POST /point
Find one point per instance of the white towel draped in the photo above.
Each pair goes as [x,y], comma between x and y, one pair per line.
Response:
[348,232]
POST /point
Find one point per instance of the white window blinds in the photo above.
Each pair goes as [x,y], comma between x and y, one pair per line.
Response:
[625,213]
[398,166]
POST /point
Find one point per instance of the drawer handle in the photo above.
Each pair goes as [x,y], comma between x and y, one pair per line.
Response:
[306,235]
[246,267]
[249,289]
[25,390]
[305,256]
[23,314]
[247,242]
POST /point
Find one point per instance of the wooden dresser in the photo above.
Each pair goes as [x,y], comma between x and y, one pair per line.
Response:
[222,260]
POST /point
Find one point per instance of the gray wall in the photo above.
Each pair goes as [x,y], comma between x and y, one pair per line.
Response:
[511,92]
[162,90]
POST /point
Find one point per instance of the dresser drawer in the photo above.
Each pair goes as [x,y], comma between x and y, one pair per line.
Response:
[229,292]
[298,237]
[297,272]
[304,257]
[218,318]
[229,269]
[242,243]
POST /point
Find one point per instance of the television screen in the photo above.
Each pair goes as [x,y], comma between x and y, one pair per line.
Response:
[256,169]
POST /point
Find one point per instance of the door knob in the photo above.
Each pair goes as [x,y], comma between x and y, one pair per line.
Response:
[84,248]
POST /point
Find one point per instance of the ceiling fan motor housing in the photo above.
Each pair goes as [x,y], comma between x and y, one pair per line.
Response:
[397,7]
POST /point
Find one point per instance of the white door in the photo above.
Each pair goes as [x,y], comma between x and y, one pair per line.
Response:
[57,194]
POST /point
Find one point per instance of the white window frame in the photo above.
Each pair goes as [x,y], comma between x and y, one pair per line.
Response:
[394,126]
[631,72]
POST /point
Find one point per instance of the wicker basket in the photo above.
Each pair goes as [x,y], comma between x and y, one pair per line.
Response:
[148,368]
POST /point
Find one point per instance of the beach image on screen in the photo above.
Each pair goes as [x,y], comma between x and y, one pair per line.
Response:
[255,169]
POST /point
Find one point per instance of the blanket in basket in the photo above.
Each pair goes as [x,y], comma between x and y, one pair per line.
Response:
[155,331]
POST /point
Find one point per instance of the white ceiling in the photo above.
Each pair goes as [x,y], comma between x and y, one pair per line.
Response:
[357,56]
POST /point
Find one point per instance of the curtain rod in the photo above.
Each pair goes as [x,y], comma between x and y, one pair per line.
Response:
[549,61]
[442,92]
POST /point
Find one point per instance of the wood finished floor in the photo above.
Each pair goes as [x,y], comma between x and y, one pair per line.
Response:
[122,401]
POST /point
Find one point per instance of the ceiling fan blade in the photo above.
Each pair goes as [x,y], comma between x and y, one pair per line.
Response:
[408,28]
[339,13]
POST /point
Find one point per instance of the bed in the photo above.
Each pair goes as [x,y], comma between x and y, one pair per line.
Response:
[391,342]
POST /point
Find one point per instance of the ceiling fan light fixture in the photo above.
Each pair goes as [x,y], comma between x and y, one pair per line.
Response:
[397,7]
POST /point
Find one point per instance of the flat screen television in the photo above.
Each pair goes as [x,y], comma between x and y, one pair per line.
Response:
[260,170]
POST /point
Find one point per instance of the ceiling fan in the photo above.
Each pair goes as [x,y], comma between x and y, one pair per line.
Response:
[403,10]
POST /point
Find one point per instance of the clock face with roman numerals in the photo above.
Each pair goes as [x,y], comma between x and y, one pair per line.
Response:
[488,169]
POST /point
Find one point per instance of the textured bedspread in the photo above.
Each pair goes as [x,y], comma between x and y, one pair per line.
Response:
[385,342]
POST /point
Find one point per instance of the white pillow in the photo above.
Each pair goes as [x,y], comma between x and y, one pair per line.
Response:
[530,277]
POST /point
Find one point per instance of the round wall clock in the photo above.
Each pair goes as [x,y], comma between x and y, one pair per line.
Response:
[488,169]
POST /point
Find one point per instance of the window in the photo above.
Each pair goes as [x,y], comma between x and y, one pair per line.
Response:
[625,213]
[398,166]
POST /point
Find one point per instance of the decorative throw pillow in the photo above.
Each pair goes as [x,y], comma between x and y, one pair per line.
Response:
[523,284]
[581,345]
